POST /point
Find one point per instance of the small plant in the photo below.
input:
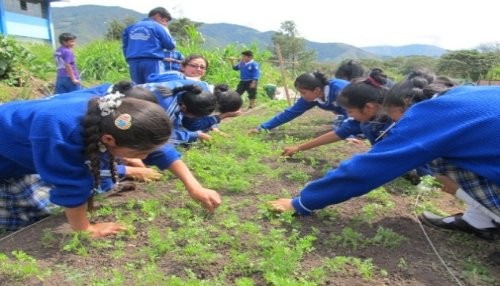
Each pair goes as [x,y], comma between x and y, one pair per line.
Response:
[387,238]
[349,237]
[78,243]
[48,239]
[21,267]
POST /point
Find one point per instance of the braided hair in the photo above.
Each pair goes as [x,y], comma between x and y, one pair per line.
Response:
[364,90]
[133,123]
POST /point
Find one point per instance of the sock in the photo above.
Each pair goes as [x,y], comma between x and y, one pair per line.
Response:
[449,219]
[477,218]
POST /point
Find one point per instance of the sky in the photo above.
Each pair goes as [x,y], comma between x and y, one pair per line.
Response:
[448,24]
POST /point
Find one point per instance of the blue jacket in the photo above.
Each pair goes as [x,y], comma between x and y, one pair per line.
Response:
[45,137]
[460,126]
[331,92]
[146,39]
[173,66]
[248,71]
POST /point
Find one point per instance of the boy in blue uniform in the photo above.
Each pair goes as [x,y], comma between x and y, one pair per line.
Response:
[144,45]
[249,76]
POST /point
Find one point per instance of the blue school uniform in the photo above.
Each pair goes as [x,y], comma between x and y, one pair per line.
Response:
[373,130]
[45,137]
[460,127]
[332,90]
[144,45]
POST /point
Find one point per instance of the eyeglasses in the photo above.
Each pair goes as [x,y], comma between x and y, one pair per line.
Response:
[197,66]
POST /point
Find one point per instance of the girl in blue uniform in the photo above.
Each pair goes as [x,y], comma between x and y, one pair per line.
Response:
[315,90]
[363,102]
[65,142]
[458,130]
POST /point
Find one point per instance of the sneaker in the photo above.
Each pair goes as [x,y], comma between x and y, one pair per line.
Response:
[432,220]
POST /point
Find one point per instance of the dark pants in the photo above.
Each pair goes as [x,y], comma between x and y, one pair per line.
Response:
[245,86]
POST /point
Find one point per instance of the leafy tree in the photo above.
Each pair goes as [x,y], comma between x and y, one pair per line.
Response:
[467,64]
[115,28]
[293,47]
[183,30]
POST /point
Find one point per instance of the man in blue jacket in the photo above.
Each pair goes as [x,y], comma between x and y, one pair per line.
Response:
[144,45]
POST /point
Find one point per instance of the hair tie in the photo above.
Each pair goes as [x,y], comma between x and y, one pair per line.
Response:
[371,81]
[109,103]
[123,121]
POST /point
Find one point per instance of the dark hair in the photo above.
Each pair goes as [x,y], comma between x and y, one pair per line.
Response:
[419,85]
[128,89]
[196,101]
[360,92]
[310,81]
[150,127]
[191,57]
[64,37]
[349,70]
[227,100]
[247,53]
[162,12]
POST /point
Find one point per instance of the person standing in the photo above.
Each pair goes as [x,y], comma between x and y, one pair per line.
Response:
[144,45]
[68,77]
[249,76]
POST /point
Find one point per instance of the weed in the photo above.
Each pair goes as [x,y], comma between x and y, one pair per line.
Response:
[386,237]
[78,243]
[21,267]
[48,239]
[349,237]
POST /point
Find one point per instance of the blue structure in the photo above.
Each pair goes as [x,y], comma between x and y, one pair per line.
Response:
[27,20]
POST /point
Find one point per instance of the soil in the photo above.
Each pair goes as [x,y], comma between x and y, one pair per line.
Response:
[412,262]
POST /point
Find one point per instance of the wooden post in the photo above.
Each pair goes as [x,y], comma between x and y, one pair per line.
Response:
[283,75]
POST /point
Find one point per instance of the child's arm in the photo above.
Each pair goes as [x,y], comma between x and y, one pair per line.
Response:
[209,198]
[72,76]
[77,218]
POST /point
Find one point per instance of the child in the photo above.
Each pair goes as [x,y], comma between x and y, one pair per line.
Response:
[249,76]
[65,141]
[130,167]
[315,90]
[459,128]
[68,77]
[362,100]
[228,103]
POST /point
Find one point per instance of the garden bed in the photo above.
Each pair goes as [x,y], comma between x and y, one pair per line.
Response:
[171,240]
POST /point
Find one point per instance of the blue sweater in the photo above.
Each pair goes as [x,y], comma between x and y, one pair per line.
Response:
[331,92]
[146,39]
[248,71]
[45,137]
[461,126]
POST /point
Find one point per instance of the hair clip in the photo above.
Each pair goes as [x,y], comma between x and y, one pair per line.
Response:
[123,121]
[109,103]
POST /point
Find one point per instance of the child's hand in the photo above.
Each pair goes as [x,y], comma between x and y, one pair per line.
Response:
[134,162]
[289,151]
[356,141]
[142,173]
[282,205]
[217,130]
[254,131]
[204,136]
[210,199]
[104,229]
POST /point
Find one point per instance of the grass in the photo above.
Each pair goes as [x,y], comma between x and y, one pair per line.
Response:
[171,240]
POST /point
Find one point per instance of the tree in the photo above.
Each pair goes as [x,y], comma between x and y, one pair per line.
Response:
[293,47]
[115,28]
[183,30]
[467,64]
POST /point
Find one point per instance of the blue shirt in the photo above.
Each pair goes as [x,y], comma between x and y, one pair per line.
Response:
[332,90]
[373,130]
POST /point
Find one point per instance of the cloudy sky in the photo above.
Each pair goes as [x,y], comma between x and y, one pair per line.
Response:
[445,23]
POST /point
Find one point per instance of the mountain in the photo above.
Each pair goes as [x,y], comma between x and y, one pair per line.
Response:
[90,22]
